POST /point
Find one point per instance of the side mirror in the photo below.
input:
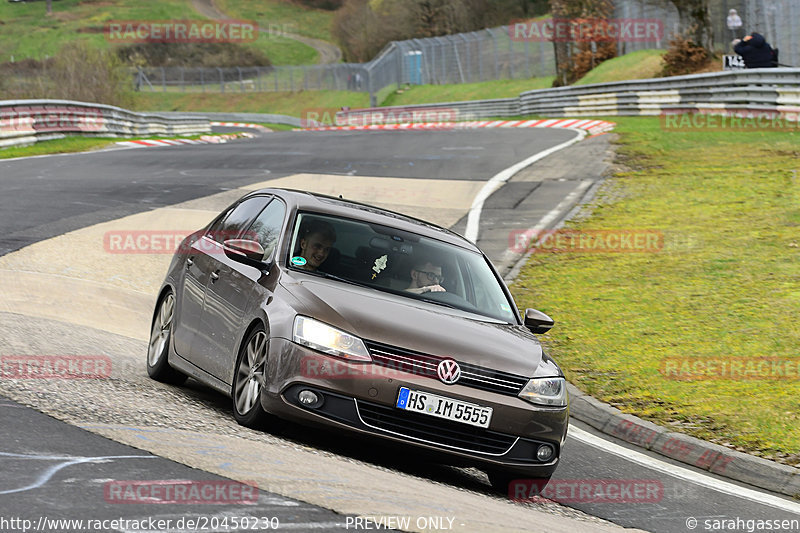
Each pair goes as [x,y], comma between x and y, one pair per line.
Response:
[244,251]
[537,322]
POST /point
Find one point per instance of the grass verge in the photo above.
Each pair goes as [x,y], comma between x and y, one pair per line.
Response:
[283,103]
[280,16]
[58,146]
[431,94]
[28,32]
[73,144]
[296,103]
[724,290]
[634,66]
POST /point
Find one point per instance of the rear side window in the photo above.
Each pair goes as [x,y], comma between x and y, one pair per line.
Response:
[232,225]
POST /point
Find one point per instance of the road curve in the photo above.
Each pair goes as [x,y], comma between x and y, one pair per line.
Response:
[65,293]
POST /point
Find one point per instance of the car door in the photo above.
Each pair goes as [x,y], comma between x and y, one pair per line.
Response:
[191,290]
[230,287]
[191,296]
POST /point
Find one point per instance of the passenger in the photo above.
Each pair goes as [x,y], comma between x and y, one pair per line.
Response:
[316,240]
[426,277]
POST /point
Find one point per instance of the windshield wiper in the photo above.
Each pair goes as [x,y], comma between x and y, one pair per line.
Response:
[437,302]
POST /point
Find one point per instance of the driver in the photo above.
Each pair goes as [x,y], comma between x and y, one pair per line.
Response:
[426,277]
[316,241]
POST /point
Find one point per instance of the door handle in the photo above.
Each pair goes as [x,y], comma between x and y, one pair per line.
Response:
[214,276]
[189,262]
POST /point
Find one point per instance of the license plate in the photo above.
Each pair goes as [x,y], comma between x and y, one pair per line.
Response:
[442,407]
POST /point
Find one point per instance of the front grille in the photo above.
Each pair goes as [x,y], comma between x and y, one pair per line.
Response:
[434,430]
[474,376]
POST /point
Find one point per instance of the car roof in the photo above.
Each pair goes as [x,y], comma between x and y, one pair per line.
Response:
[321,203]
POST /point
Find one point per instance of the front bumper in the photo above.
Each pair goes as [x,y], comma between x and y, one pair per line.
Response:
[361,397]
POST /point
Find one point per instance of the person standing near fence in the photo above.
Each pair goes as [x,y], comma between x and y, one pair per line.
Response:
[734,24]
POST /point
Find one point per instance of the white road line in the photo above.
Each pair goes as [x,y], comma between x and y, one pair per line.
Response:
[48,473]
[545,221]
[682,473]
[497,181]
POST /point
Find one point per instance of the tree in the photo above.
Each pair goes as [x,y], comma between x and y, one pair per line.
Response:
[573,59]
[695,20]
[560,9]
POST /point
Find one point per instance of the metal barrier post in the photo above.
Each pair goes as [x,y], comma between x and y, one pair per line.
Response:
[480,58]
[496,58]
[528,59]
[469,62]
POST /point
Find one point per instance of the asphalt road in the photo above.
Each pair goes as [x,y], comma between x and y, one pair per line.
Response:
[58,474]
[48,196]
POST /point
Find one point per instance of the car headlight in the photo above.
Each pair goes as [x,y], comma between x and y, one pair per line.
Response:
[546,391]
[329,340]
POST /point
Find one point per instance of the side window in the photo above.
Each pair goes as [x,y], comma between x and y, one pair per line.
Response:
[231,225]
[266,229]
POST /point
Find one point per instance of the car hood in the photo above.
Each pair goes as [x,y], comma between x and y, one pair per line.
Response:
[419,326]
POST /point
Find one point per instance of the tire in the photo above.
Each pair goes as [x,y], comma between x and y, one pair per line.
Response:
[158,366]
[501,481]
[249,378]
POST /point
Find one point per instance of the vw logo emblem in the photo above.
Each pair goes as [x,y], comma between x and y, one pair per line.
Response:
[448,371]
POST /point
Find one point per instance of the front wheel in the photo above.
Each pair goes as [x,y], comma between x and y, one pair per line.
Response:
[157,351]
[249,380]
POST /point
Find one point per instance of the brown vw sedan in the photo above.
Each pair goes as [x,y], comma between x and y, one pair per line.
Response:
[324,311]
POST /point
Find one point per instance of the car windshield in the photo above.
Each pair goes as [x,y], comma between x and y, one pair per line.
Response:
[399,262]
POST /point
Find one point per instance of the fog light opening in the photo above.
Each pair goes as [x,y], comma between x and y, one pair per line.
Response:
[308,398]
[545,452]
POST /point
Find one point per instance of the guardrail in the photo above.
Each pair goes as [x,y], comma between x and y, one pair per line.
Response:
[261,118]
[28,121]
[444,112]
[764,90]
[760,90]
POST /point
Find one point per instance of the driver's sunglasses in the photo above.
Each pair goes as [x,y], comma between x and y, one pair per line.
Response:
[432,276]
